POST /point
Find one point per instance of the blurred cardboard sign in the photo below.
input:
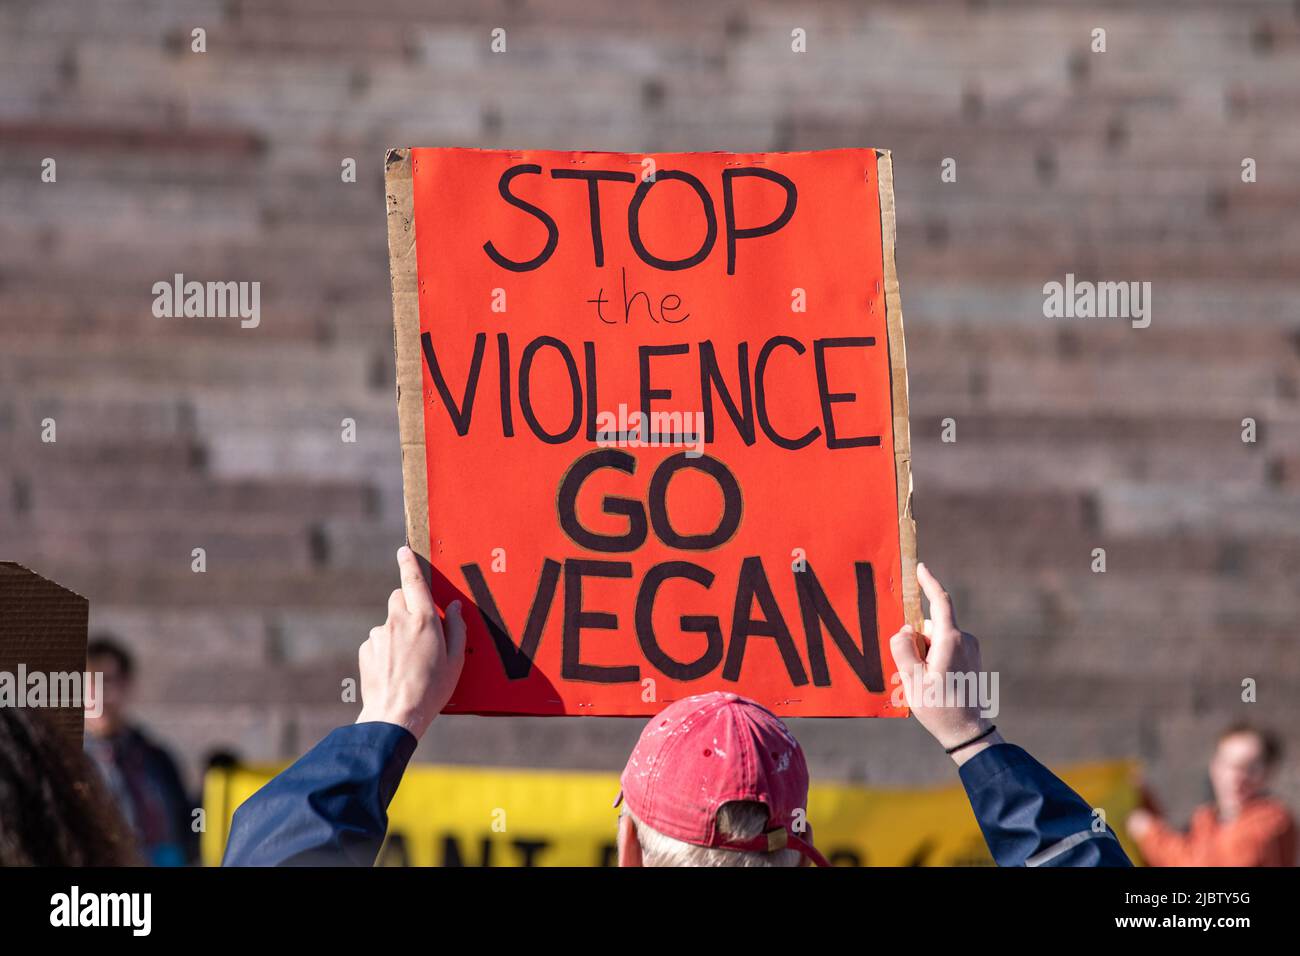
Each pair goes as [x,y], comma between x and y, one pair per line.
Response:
[43,647]
[653,416]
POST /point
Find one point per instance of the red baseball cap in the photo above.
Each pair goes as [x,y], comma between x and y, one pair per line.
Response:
[711,749]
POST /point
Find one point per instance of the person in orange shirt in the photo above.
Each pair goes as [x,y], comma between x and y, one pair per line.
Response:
[1243,827]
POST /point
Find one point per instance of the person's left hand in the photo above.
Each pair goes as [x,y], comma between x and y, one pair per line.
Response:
[411,663]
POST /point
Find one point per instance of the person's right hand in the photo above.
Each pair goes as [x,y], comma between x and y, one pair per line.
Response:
[944,649]
[409,669]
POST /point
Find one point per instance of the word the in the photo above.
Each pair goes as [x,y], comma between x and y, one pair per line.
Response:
[668,303]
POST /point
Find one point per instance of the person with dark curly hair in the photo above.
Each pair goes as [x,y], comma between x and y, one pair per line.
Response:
[54,809]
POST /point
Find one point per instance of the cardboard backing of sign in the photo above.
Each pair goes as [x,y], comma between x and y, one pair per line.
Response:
[43,631]
[541,299]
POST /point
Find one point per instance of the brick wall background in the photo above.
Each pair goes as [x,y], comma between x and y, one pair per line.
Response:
[1123,165]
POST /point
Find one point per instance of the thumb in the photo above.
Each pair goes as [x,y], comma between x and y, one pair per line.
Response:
[455,631]
[903,646]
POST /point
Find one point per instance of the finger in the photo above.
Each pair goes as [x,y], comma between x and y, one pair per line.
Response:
[455,631]
[943,651]
[418,598]
[941,611]
[922,640]
[940,646]
[903,646]
[396,604]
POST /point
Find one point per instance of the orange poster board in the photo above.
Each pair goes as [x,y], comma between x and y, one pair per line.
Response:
[654,424]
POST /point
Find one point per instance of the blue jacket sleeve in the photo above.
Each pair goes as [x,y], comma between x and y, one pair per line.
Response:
[1030,818]
[328,809]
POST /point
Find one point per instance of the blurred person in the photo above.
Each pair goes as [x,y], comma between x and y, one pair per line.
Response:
[221,759]
[1244,826]
[741,805]
[54,810]
[141,776]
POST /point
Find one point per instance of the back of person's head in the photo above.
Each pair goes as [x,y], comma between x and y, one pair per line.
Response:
[739,820]
[717,780]
[54,809]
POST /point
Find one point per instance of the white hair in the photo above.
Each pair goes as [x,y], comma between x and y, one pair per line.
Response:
[737,820]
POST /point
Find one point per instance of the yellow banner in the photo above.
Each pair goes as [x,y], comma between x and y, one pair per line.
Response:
[479,816]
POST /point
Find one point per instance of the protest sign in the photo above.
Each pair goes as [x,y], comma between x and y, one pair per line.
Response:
[653,415]
[503,816]
[43,649]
